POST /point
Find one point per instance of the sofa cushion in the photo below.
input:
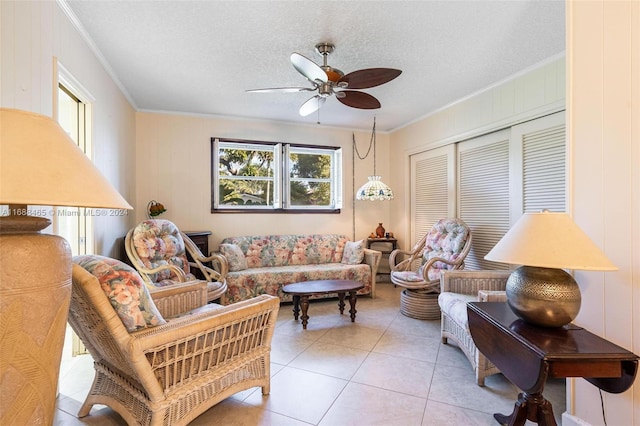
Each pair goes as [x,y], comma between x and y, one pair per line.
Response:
[235,257]
[287,250]
[125,289]
[353,252]
[455,306]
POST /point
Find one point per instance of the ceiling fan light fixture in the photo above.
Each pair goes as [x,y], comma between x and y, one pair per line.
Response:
[324,79]
[374,190]
[333,74]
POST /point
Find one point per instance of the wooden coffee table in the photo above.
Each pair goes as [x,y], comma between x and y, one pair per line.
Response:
[301,292]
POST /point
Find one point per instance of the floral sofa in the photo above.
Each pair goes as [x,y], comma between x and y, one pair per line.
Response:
[263,264]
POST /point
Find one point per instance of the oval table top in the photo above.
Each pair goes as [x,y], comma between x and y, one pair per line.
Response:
[322,286]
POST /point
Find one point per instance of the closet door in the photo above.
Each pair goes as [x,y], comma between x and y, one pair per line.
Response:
[490,181]
[432,188]
[539,178]
[483,194]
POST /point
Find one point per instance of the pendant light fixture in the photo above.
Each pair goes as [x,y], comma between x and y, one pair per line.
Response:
[374,189]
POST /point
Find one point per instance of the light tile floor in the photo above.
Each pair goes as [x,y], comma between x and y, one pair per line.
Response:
[384,369]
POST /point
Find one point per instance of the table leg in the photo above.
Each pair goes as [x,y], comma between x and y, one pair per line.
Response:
[341,302]
[304,301]
[352,303]
[529,407]
[296,307]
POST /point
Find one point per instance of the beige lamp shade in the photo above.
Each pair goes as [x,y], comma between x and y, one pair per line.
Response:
[549,240]
[41,165]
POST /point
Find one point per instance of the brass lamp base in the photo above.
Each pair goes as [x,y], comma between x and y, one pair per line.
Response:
[545,297]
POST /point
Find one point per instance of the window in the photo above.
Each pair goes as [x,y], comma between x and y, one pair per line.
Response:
[73,223]
[262,176]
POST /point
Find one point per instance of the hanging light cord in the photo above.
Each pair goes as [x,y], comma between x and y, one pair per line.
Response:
[372,143]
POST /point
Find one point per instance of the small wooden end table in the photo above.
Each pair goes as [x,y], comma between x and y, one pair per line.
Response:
[302,290]
[527,355]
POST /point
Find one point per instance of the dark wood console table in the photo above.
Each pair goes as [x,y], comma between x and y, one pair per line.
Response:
[200,239]
[527,355]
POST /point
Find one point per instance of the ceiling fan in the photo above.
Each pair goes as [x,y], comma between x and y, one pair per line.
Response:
[329,81]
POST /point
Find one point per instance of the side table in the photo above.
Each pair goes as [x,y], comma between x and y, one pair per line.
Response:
[527,355]
[385,246]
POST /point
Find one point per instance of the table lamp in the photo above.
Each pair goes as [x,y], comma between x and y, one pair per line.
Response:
[39,166]
[540,292]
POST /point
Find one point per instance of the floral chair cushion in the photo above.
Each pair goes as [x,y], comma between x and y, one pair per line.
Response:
[158,242]
[446,239]
[235,257]
[353,252]
[409,276]
[125,289]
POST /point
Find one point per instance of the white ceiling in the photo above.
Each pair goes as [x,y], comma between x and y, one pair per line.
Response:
[200,56]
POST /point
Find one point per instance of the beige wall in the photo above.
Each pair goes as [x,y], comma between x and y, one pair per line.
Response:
[33,35]
[603,101]
[174,167]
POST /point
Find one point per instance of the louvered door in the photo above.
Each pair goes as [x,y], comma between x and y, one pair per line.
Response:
[483,194]
[490,181]
[541,174]
[432,189]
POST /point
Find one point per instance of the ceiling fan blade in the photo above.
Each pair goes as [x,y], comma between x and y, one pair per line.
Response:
[308,68]
[370,77]
[312,105]
[360,100]
[282,89]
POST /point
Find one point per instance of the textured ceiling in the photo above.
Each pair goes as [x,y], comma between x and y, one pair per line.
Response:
[200,56]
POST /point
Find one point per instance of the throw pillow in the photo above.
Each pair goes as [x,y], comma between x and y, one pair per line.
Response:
[235,257]
[353,252]
[125,289]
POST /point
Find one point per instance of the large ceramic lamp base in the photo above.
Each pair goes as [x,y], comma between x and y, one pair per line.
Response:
[546,297]
[35,289]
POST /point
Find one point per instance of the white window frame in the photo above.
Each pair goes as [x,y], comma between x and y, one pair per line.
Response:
[78,228]
[281,176]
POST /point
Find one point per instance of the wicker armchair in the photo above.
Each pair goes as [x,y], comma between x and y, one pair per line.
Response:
[457,289]
[220,265]
[157,249]
[444,248]
[171,373]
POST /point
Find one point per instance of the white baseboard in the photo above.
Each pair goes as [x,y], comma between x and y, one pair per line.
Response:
[571,420]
